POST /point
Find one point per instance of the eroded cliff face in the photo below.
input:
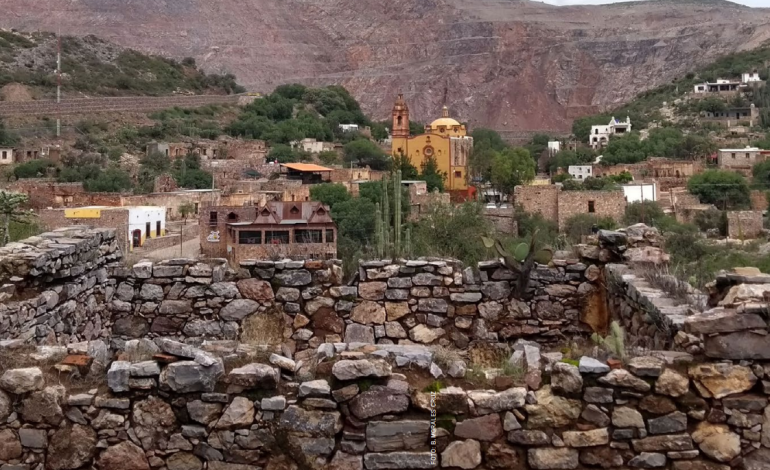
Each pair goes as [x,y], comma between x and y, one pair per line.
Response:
[506,64]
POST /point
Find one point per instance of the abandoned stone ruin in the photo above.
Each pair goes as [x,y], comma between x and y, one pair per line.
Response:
[607,362]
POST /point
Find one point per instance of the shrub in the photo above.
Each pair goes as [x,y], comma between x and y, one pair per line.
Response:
[645,212]
[712,219]
[33,169]
[582,224]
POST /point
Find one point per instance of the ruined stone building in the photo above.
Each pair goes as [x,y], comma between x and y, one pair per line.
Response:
[276,230]
[558,206]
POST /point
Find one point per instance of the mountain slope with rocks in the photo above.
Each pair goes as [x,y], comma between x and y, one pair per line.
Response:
[512,65]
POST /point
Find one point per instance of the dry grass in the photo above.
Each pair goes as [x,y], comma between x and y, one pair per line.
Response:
[263,329]
[445,357]
[675,287]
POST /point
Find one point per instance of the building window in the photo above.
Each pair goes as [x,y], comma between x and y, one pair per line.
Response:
[232,217]
[733,155]
[277,237]
[307,236]
[458,174]
[147,227]
[157,228]
[5,155]
[249,237]
[212,218]
[747,156]
[205,152]
[329,235]
[591,208]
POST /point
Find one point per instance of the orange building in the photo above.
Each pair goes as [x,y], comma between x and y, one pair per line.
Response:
[445,140]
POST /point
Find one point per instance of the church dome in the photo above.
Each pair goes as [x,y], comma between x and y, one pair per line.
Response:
[444,120]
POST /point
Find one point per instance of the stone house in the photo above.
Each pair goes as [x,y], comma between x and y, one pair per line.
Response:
[559,206]
[741,160]
[580,172]
[297,230]
[744,224]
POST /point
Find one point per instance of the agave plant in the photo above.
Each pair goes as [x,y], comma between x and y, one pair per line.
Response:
[614,342]
[522,260]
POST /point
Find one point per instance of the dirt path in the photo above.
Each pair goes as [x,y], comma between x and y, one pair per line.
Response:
[190,249]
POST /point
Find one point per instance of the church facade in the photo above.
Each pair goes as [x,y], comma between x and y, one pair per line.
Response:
[445,140]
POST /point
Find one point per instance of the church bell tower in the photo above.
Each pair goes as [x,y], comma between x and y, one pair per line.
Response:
[400,127]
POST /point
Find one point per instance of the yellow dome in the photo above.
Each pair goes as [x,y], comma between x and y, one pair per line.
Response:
[444,121]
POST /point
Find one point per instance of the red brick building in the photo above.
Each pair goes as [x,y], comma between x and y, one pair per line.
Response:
[302,229]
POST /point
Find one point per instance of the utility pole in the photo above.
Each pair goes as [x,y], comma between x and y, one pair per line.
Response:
[58,83]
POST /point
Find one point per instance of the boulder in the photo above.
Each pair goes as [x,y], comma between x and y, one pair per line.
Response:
[347,369]
[368,313]
[589,365]
[10,446]
[648,460]
[387,436]
[376,402]
[462,454]
[203,412]
[594,415]
[283,362]
[238,309]
[189,376]
[592,438]
[255,289]
[238,414]
[399,461]
[314,388]
[20,381]
[70,448]
[566,379]
[624,379]
[722,447]
[503,457]
[490,402]
[372,290]
[260,376]
[722,321]
[552,458]
[183,461]
[424,334]
[123,456]
[627,417]
[719,380]
[355,333]
[485,428]
[131,326]
[294,278]
[312,423]
[672,383]
[551,411]
[669,424]
[646,366]
[44,406]
[743,345]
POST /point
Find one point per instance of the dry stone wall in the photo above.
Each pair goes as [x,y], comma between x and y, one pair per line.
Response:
[55,297]
[172,406]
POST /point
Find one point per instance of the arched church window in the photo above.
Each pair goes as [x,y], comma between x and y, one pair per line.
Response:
[399,120]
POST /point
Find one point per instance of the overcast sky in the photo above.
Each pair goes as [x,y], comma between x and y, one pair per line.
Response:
[751,3]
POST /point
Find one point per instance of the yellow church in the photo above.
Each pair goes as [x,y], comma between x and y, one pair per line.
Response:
[445,140]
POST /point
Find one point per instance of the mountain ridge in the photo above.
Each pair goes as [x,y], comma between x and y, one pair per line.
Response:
[516,65]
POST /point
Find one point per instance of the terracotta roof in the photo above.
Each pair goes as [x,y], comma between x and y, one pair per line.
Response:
[305,167]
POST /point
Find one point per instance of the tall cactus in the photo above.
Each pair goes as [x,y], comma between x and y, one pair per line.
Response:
[397,212]
[379,237]
[386,215]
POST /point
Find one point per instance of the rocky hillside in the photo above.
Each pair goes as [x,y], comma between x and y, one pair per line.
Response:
[506,64]
[92,66]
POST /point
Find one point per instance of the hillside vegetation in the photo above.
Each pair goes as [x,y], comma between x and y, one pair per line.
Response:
[91,66]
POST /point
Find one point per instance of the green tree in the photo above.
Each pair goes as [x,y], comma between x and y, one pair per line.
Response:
[111,180]
[712,219]
[582,224]
[645,212]
[488,138]
[185,210]
[510,168]
[581,127]
[355,220]
[433,177]
[284,154]
[408,171]
[10,209]
[452,231]
[724,189]
[329,194]
[156,162]
[761,174]
[712,105]
[329,157]
[366,153]
[33,169]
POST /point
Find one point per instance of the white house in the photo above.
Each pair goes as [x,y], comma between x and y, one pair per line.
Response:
[721,85]
[312,145]
[580,172]
[637,192]
[752,77]
[554,147]
[6,156]
[349,127]
[600,135]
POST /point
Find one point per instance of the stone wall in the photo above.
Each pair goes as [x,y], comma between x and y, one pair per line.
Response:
[502,219]
[599,203]
[344,407]
[539,199]
[44,193]
[758,200]
[744,224]
[424,301]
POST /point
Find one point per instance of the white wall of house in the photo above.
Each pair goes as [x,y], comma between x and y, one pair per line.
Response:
[750,77]
[140,216]
[554,146]
[580,172]
[639,192]
[6,156]
[349,127]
